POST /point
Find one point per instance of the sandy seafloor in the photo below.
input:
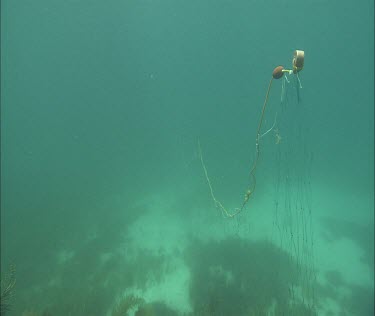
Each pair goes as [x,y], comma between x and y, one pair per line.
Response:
[163,254]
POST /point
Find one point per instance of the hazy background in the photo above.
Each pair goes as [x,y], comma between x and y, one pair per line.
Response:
[102,104]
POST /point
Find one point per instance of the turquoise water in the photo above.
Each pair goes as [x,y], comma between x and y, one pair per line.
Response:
[105,206]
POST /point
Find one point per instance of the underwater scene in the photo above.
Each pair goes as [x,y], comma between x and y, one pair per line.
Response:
[187,158]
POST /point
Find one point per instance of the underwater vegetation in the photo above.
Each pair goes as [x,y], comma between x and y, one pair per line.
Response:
[35,313]
[92,286]
[139,307]
[239,277]
[228,277]
[126,304]
[7,289]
